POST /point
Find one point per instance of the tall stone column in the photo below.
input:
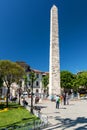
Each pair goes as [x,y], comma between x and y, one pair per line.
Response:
[54,66]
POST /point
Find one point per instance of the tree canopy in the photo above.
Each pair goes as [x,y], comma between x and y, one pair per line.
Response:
[10,72]
[82,78]
[73,81]
[66,79]
[45,81]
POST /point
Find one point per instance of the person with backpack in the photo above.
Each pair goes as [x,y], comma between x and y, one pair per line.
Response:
[57,101]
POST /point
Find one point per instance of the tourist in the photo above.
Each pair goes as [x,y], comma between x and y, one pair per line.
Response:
[24,102]
[67,99]
[57,101]
[61,99]
[52,97]
[64,98]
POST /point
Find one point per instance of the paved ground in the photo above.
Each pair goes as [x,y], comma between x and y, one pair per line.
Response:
[68,117]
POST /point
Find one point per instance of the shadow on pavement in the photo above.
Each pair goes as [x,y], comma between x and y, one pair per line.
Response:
[63,108]
[69,123]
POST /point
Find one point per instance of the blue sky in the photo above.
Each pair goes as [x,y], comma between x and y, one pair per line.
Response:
[25,32]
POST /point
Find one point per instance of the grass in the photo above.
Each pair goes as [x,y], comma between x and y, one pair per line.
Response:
[15,116]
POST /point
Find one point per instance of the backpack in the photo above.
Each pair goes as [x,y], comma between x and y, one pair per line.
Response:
[58,100]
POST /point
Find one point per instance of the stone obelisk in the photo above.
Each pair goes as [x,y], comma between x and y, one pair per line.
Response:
[54,65]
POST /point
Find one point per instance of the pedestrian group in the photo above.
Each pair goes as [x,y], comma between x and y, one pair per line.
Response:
[63,99]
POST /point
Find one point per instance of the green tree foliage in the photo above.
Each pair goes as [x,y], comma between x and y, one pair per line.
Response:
[11,72]
[82,79]
[45,82]
[75,83]
[32,76]
[67,79]
[72,81]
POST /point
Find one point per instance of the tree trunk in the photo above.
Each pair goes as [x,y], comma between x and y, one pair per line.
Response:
[19,95]
[7,96]
[19,98]
[32,103]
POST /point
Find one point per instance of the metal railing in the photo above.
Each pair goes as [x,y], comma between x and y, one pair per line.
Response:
[31,125]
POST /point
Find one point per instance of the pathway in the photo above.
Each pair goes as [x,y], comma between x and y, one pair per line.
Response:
[68,117]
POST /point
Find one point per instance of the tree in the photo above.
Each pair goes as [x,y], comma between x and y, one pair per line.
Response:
[1,81]
[82,79]
[32,79]
[19,89]
[45,82]
[75,84]
[67,80]
[11,72]
[26,81]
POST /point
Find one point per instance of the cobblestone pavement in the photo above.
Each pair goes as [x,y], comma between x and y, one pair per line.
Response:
[68,117]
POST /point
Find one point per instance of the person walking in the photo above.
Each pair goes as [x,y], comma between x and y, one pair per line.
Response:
[67,98]
[61,99]
[57,101]
[24,102]
[64,98]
